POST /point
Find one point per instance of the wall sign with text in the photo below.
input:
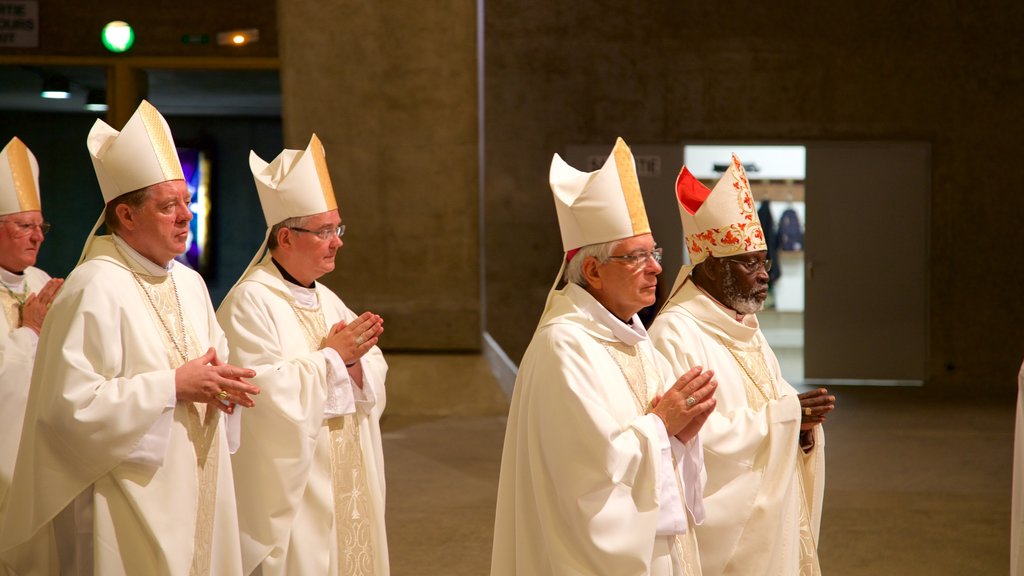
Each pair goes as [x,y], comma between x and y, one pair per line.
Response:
[19,24]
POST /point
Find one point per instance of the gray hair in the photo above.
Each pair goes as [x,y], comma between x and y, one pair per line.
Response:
[293,222]
[574,270]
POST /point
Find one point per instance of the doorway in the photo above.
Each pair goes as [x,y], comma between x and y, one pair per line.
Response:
[849,224]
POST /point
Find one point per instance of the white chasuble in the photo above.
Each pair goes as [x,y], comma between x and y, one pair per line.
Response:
[17,354]
[1017,497]
[590,482]
[310,471]
[103,430]
[764,494]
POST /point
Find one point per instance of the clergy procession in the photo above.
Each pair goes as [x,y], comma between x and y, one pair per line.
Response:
[147,431]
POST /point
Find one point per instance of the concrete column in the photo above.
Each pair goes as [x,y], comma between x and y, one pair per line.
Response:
[126,88]
[391,90]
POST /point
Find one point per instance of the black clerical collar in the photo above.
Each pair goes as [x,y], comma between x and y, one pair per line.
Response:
[288,277]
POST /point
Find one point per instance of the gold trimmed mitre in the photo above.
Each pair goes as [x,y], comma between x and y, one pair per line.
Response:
[722,221]
[294,184]
[19,179]
[140,155]
[600,206]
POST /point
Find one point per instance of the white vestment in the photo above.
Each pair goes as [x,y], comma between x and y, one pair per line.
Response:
[1017,498]
[763,494]
[17,353]
[105,438]
[591,483]
[310,471]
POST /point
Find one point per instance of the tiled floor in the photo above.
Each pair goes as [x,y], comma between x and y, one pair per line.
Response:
[915,486]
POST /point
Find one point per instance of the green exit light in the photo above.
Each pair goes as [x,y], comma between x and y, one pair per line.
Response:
[118,36]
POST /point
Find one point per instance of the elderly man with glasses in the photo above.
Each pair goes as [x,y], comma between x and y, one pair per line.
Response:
[764,445]
[309,473]
[25,294]
[601,471]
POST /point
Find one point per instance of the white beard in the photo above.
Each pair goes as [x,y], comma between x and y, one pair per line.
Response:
[742,303]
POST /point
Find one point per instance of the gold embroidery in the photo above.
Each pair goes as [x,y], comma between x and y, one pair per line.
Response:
[21,173]
[202,431]
[163,146]
[12,304]
[201,420]
[686,545]
[316,148]
[755,367]
[626,169]
[351,498]
[632,364]
[352,513]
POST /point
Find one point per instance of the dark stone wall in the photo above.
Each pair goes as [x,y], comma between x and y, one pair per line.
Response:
[391,90]
[560,73]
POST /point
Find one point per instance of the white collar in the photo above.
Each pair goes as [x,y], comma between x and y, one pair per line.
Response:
[305,297]
[151,268]
[630,334]
[12,280]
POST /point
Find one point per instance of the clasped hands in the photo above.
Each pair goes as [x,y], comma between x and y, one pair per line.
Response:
[814,407]
[207,379]
[34,311]
[354,339]
[687,404]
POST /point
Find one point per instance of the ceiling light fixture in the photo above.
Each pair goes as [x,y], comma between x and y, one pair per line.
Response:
[96,101]
[238,37]
[56,87]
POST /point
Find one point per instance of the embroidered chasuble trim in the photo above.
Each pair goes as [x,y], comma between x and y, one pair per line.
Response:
[755,367]
[352,511]
[201,420]
[632,364]
[13,304]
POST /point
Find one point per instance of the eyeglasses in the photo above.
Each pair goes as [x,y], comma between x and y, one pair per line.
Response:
[23,229]
[750,266]
[323,233]
[638,260]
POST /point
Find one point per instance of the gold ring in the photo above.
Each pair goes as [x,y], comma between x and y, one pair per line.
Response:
[807,411]
[359,340]
[222,395]
[690,401]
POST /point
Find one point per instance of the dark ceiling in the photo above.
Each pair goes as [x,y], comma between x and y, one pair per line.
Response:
[173,92]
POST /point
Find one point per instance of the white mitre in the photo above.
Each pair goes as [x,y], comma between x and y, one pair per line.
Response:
[600,206]
[140,155]
[720,222]
[294,184]
[19,179]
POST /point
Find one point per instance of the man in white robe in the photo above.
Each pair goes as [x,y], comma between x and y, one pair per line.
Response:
[124,452]
[309,475]
[1017,496]
[26,293]
[763,445]
[602,467]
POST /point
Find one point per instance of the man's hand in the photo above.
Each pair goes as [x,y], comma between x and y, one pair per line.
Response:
[687,404]
[354,339]
[37,305]
[814,406]
[207,379]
